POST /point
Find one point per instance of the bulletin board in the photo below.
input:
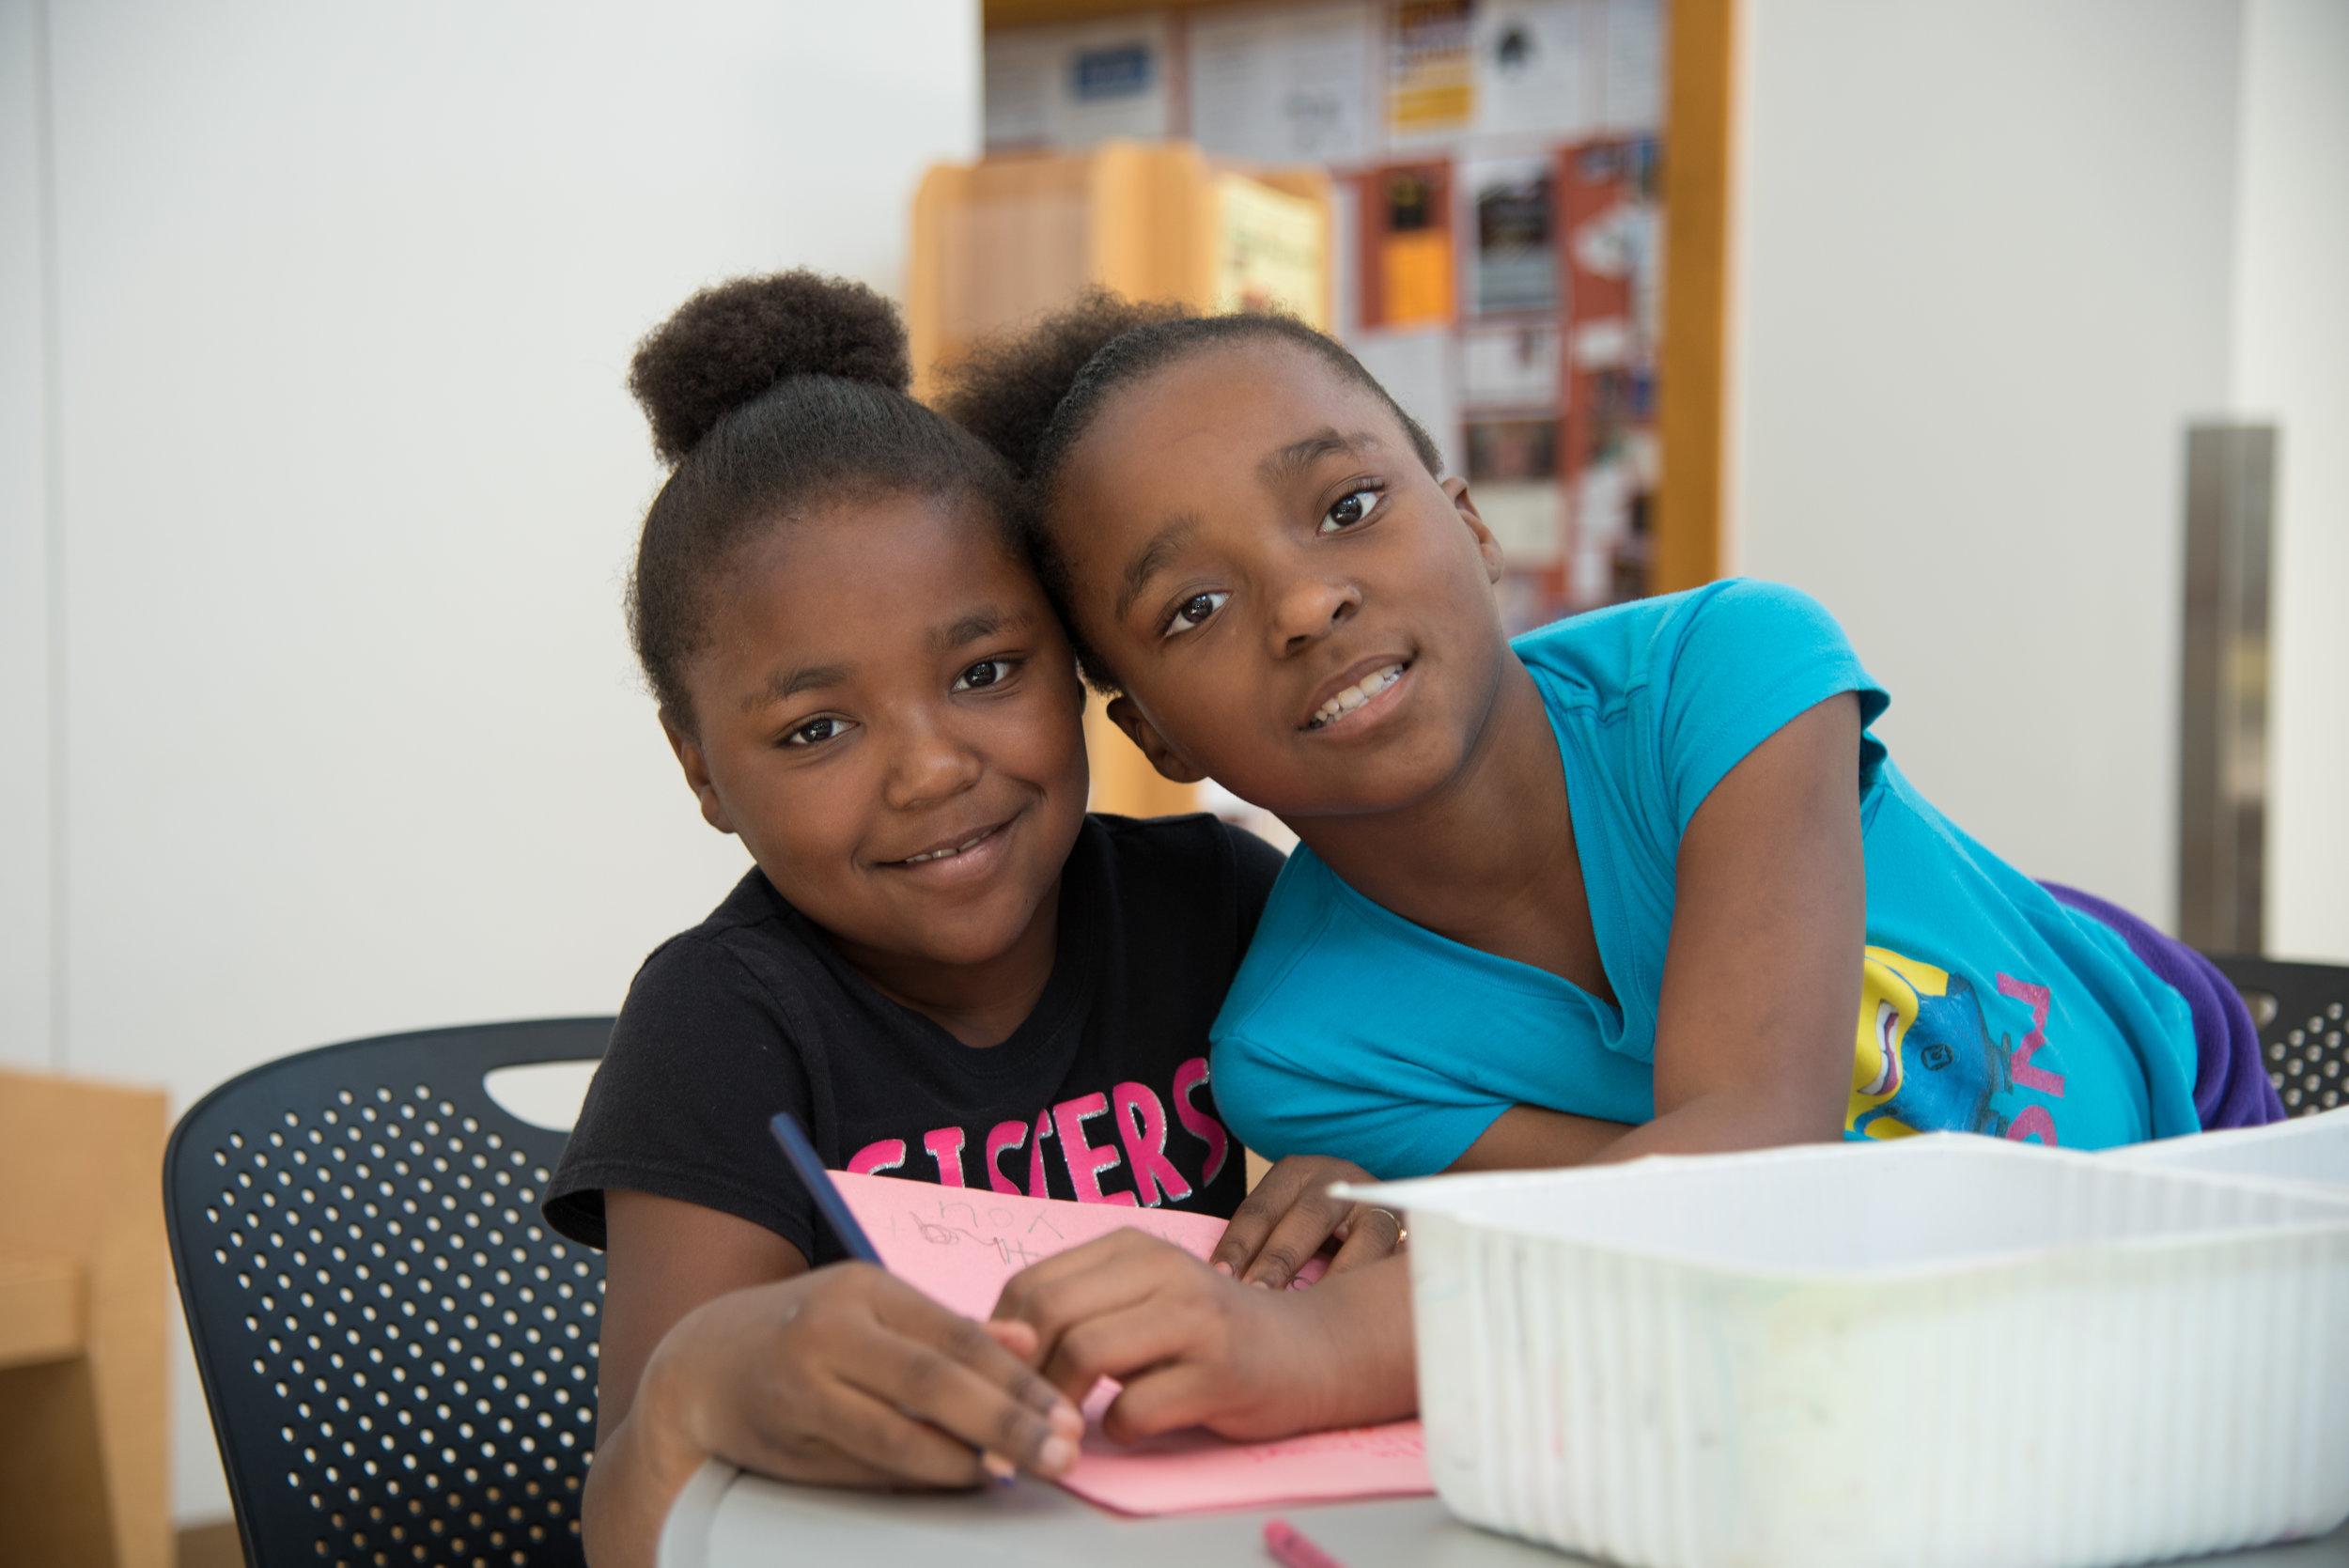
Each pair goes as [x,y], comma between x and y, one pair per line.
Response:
[1528,230]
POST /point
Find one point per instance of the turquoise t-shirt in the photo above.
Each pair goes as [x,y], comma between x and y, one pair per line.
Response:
[1986,1006]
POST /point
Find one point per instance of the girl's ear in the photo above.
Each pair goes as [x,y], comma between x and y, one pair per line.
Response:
[1170,763]
[689,757]
[1487,546]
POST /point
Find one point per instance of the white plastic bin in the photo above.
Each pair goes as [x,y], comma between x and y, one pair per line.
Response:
[2304,1149]
[1948,1350]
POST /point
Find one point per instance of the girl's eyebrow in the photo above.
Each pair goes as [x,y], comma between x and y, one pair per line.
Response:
[986,621]
[976,625]
[1154,558]
[1289,460]
[784,685]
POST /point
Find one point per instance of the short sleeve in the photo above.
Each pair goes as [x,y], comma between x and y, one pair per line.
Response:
[700,1058]
[1413,1122]
[1732,667]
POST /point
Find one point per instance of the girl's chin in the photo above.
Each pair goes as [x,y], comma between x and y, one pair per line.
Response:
[984,937]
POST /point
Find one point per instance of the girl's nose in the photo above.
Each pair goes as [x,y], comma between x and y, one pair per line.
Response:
[1308,610]
[931,764]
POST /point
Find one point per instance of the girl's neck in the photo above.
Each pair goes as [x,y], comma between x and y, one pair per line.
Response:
[1494,831]
[980,1004]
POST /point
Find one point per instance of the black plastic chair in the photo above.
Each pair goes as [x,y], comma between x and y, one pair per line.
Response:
[2302,1010]
[399,1356]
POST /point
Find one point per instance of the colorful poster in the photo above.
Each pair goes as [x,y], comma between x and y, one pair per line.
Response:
[1408,278]
[1512,225]
[1293,86]
[1431,75]
[1269,249]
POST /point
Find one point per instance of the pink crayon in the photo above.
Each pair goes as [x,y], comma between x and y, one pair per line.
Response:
[1290,1549]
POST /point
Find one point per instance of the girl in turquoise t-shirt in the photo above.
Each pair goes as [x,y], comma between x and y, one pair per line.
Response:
[1641,882]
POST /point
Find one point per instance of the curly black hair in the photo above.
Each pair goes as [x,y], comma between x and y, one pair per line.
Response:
[768,397]
[1031,395]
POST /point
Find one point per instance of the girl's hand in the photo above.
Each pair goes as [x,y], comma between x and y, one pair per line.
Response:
[1289,1216]
[1197,1348]
[846,1376]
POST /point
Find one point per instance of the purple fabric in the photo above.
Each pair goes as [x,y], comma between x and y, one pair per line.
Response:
[2230,1083]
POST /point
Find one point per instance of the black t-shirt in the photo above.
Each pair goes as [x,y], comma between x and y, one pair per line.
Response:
[1100,1094]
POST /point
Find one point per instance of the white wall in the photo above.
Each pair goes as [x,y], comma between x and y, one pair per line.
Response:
[349,480]
[2291,366]
[1985,266]
[24,709]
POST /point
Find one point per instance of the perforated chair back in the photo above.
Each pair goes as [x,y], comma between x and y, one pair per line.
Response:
[2302,1010]
[399,1355]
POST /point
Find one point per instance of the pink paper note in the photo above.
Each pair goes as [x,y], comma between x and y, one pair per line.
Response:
[960,1245]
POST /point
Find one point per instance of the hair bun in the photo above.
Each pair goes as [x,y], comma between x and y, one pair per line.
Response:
[730,343]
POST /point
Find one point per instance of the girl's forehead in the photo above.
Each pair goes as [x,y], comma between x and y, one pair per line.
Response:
[1218,410]
[895,556]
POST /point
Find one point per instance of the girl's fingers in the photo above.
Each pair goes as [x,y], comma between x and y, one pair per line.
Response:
[1297,1236]
[1085,1282]
[874,1432]
[1118,1344]
[817,1464]
[949,1372]
[1166,1399]
[1371,1234]
[1000,1354]
[1251,1223]
[1015,1336]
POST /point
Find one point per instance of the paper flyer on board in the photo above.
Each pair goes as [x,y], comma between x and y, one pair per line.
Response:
[1431,76]
[1069,88]
[1294,86]
[1536,68]
[1512,224]
[1269,249]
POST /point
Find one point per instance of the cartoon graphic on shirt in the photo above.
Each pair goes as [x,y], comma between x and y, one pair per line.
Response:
[1926,1062]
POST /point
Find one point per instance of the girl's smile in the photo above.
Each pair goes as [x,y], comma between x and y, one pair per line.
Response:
[959,860]
[1367,690]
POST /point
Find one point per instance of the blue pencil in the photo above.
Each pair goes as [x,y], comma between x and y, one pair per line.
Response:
[851,1236]
[803,1158]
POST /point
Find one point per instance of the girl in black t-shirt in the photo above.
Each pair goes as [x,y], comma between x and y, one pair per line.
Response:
[940,962]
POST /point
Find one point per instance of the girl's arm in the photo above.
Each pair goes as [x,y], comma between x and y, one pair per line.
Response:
[719,1342]
[662,1258]
[1755,1029]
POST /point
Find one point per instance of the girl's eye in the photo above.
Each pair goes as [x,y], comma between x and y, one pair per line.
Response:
[817,731]
[987,672]
[1194,612]
[1351,508]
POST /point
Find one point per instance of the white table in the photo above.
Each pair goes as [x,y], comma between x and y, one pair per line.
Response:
[726,1519]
